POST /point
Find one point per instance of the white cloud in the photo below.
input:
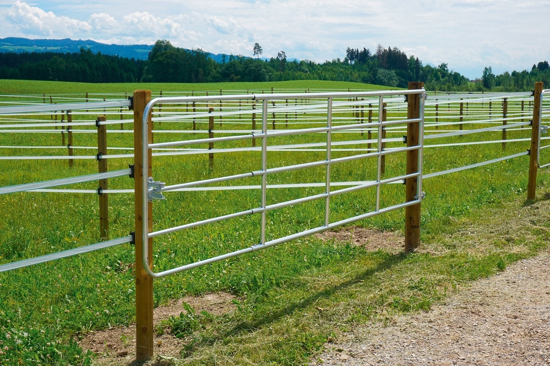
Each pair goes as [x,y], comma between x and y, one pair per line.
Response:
[35,21]
[466,34]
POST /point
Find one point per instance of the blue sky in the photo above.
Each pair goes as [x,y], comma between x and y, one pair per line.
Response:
[468,34]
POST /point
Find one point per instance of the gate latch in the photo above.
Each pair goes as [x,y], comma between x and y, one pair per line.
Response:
[154,190]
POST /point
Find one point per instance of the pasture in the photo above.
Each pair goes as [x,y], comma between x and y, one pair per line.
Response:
[45,309]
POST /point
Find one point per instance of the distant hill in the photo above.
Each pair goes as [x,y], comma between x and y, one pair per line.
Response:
[138,52]
[20,45]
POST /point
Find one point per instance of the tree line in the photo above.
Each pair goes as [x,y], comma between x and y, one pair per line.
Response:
[166,63]
[84,66]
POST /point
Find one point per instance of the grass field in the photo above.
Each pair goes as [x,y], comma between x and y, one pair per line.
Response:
[45,308]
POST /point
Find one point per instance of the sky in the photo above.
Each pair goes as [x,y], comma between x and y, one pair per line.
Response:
[468,35]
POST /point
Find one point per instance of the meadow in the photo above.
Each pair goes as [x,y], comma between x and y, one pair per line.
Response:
[45,308]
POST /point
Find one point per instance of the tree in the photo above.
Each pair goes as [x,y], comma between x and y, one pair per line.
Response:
[281,56]
[488,78]
[257,49]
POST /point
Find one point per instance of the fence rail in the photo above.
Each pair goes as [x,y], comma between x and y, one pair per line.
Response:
[360,126]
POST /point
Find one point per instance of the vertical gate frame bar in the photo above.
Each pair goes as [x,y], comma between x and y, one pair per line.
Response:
[70,138]
[535,135]
[329,160]
[264,168]
[379,148]
[103,183]
[143,225]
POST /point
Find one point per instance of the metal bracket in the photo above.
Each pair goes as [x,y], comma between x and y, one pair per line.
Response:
[544,129]
[131,107]
[422,196]
[154,190]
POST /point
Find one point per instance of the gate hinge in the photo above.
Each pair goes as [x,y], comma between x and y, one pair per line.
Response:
[154,190]
[422,196]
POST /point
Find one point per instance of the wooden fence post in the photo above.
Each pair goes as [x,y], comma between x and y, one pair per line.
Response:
[211,136]
[286,115]
[369,132]
[436,115]
[103,183]
[412,213]
[522,110]
[70,138]
[461,126]
[362,116]
[504,121]
[221,108]
[194,121]
[144,282]
[532,185]
[273,114]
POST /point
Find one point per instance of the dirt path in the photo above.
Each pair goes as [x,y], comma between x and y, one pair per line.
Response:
[502,320]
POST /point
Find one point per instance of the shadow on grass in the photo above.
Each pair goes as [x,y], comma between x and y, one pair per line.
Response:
[299,304]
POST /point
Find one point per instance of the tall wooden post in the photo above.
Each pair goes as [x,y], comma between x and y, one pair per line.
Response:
[103,183]
[144,283]
[369,133]
[362,116]
[532,185]
[273,115]
[70,138]
[461,126]
[436,115]
[194,111]
[221,107]
[286,114]
[211,136]
[522,110]
[412,213]
[504,121]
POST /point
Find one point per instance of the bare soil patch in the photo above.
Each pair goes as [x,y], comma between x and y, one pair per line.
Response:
[370,239]
[116,346]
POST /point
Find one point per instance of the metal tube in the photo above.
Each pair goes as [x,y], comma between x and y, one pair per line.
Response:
[264,169]
[64,254]
[329,158]
[436,174]
[203,222]
[379,150]
[480,130]
[41,108]
[64,181]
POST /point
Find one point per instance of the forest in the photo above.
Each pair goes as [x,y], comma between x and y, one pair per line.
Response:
[166,63]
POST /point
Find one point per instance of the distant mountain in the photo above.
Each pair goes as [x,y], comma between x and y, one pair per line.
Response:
[138,52]
[20,45]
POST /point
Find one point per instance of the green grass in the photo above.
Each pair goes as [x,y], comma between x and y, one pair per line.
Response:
[293,298]
[17,87]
